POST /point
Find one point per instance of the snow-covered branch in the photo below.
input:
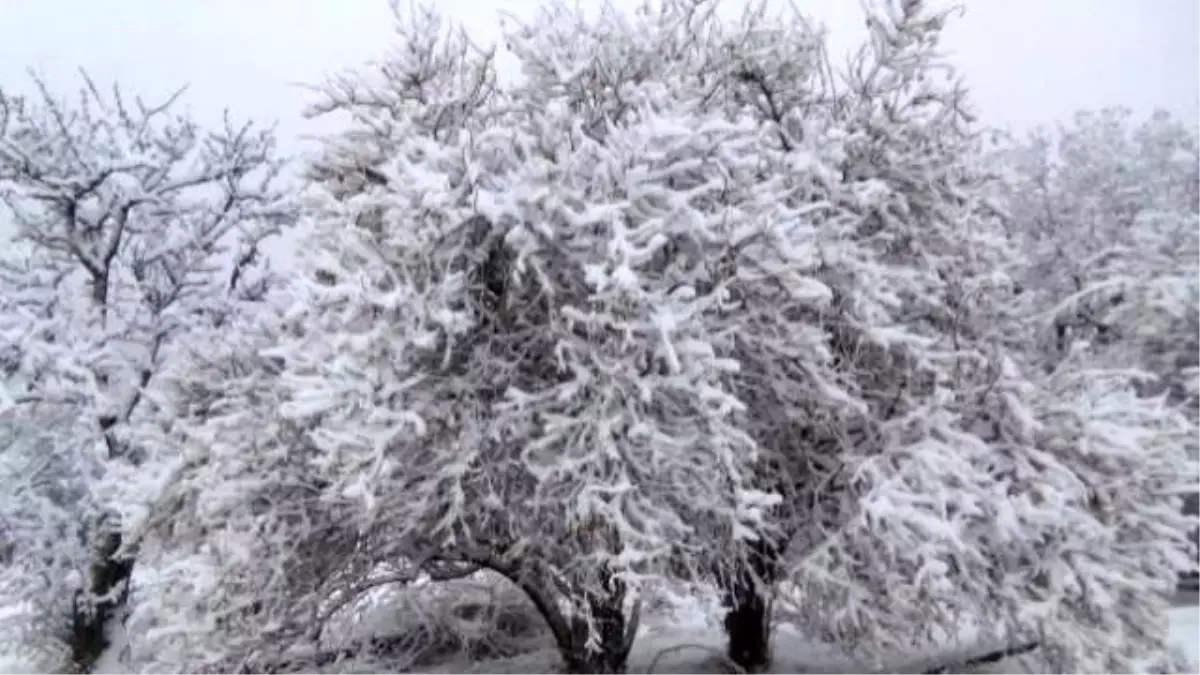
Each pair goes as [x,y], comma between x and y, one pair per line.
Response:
[137,230]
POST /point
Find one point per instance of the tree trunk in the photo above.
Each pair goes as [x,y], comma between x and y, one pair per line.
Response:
[747,625]
[606,608]
[571,636]
[748,619]
[593,663]
[105,597]
[108,577]
[608,614]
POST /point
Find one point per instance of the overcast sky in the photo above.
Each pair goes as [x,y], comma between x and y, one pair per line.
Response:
[1027,61]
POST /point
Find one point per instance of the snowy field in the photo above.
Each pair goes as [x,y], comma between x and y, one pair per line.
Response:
[1185,631]
[698,649]
[695,649]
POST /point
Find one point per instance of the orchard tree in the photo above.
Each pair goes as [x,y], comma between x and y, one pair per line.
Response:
[537,271]
[675,258]
[872,175]
[504,350]
[1107,211]
[242,540]
[135,230]
[899,438]
[44,501]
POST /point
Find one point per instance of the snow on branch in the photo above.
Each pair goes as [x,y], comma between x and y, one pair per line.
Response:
[136,232]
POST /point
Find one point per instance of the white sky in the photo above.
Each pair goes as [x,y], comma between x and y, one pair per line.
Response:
[1027,61]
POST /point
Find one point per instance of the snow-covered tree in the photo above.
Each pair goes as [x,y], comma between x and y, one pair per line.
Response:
[895,439]
[536,274]
[43,544]
[677,300]
[239,542]
[135,230]
[1107,211]
[881,248]
[943,446]
[498,355]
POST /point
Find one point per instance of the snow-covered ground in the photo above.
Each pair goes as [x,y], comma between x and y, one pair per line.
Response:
[694,650]
[667,648]
[1185,631]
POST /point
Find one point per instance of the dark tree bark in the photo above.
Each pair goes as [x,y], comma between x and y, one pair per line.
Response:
[748,618]
[109,584]
[608,613]
[1192,507]
[606,607]
[748,630]
[571,637]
